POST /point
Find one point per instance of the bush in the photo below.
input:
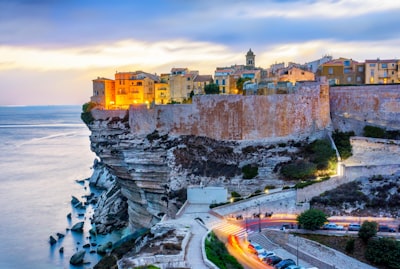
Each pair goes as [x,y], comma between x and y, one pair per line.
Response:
[218,254]
[211,88]
[342,142]
[249,171]
[235,194]
[299,170]
[350,245]
[384,251]
[368,229]
[312,219]
[372,131]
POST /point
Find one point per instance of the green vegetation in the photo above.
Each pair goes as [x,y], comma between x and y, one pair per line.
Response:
[250,171]
[372,131]
[368,229]
[377,132]
[86,115]
[218,254]
[350,245]
[315,159]
[303,184]
[239,84]
[312,219]
[384,251]
[342,142]
[211,88]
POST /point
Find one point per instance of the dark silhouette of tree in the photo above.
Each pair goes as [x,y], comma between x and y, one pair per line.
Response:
[211,88]
[312,219]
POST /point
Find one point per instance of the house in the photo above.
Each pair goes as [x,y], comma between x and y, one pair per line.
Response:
[382,71]
[104,93]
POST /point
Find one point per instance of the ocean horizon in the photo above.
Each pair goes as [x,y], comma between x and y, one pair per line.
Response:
[45,152]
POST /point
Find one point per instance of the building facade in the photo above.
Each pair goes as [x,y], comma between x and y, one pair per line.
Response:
[382,71]
[343,71]
[103,93]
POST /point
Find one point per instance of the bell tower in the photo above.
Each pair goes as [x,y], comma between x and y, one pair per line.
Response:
[250,59]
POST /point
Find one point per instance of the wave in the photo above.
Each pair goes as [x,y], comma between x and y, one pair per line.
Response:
[48,137]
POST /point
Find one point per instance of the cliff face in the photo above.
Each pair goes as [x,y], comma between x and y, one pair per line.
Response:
[155,154]
[153,171]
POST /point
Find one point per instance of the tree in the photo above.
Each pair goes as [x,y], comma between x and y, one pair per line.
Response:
[211,88]
[368,229]
[312,219]
[239,84]
[384,251]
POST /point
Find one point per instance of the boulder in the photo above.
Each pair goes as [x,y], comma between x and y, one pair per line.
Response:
[60,235]
[52,240]
[77,258]
[61,250]
[75,201]
[78,227]
[102,249]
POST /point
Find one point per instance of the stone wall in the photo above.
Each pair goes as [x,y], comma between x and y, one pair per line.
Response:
[353,107]
[236,117]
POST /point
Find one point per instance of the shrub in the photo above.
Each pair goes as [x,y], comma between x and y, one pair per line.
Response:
[350,245]
[368,229]
[372,131]
[217,253]
[384,251]
[299,170]
[342,142]
[86,115]
[235,194]
[312,219]
[249,171]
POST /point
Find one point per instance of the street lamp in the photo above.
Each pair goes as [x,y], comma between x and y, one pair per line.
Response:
[259,217]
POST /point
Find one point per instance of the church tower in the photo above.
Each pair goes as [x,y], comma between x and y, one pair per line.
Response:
[250,59]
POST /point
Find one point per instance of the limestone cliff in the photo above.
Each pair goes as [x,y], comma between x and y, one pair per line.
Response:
[155,154]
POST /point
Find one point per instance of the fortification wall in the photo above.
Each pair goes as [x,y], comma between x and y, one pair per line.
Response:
[353,107]
[235,117]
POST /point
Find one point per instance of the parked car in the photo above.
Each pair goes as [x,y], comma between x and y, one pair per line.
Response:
[258,250]
[272,260]
[284,264]
[354,227]
[332,226]
[385,228]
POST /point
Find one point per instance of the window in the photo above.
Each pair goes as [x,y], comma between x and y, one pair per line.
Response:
[188,78]
[372,73]
[188,87]
[360,69]
[385,74]
[330,70]
[358,79]
[384,65]
[348,79]
[216,81]
[372,65]
[392,72]
[346,63]
[223,82]
[223,89]
[139,83]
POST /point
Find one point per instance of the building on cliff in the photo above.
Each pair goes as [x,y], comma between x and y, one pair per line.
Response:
[104,93]
[382,71]
[343,71]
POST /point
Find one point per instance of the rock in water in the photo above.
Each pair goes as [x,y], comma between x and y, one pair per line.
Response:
[77,258]
[75,201]
[78,227]
[52,240]
[60,235]
[61,250]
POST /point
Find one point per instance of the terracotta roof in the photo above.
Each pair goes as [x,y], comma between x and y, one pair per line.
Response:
[203,78]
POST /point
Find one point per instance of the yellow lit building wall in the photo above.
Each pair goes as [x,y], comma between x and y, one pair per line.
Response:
[162,93]
[104,93]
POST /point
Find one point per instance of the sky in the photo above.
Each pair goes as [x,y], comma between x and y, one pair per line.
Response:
[51,50]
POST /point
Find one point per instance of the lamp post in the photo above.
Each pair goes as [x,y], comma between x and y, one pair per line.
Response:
[297,250]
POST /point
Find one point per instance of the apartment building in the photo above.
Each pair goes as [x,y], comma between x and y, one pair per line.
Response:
[103,92]
[382,71]
[343,71]
[134,88]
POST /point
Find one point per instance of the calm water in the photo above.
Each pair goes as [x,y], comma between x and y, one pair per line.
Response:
[43,150]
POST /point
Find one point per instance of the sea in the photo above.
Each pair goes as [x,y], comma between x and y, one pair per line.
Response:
[44,156]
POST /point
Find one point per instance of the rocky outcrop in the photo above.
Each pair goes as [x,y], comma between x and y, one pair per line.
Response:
[152,171]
